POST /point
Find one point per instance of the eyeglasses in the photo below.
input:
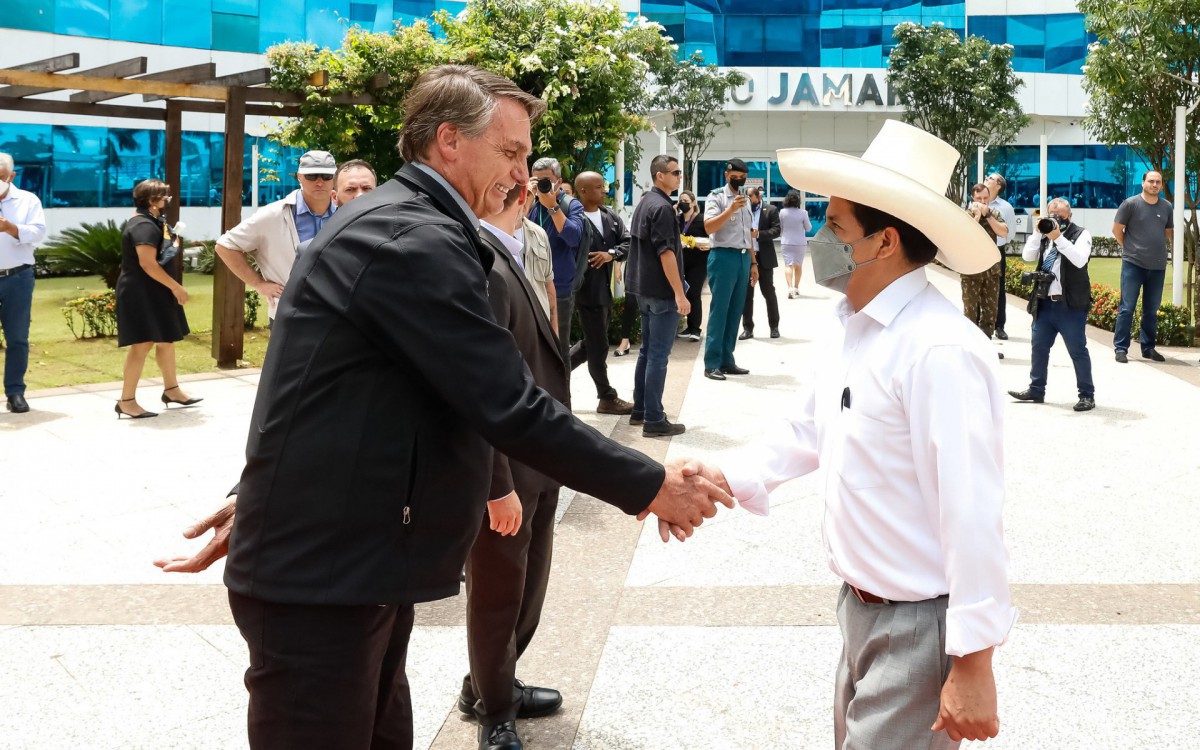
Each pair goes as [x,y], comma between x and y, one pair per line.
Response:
[676,172]
[315,177]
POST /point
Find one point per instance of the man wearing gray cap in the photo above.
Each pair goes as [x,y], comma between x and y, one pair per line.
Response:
[274,234]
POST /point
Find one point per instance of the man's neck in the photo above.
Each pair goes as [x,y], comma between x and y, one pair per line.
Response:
[505,223]
[316,207]
[1149,198]
[590,209]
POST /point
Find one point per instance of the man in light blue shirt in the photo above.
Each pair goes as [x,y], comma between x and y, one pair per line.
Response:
[732,267]
[22,226]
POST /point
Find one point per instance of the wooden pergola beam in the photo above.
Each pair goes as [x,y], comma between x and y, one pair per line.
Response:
[191,74]
[74,82]
[57,107]
[297,97]
[257,77]
[50,64]
[229,293]
[124,69]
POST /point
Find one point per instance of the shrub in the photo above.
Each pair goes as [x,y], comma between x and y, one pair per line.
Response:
[97,315]
[253,303]
[1105,247]
[206,261]
[86,250]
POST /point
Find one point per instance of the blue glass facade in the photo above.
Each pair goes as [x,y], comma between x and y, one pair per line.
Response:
[1041,44]
[86,167]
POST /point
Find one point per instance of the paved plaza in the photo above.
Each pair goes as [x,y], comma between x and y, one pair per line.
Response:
[726,641]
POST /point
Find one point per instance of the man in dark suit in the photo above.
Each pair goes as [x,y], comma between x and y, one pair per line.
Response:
[368,463]
[766,223]
[509,565]
[609,242]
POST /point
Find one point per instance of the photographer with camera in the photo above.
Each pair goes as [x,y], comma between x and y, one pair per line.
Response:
[980,291]
[1061,298]
[561,217]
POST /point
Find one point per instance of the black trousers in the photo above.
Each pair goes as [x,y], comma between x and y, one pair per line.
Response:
[629,316]
[766,285]
[1002,310]
[594,320]
[507,578]
[566,308]
[326,676]
[695,273]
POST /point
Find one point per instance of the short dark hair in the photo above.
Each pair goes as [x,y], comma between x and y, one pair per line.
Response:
[917,247]
[149,190]
[354,164]
[662,163]
[1147,174]
[979,186]
[792,200]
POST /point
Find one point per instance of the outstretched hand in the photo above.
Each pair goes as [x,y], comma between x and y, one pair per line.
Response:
[220,523]
[689,494]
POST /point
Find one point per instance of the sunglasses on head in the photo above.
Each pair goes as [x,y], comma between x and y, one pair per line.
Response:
[315,177]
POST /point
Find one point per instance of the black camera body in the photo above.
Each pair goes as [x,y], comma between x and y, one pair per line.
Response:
[1048,224]
[1040,280]
[545,184]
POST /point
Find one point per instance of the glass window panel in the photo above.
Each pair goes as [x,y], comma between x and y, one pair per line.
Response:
[80,175]
[195,171]
[81,18]
[32,153]
[137,21]
[325,28]
[797,37]
[33,15]
[285,23]
[743,34]
[673,27]
[187,23]
[133,156]
[234,33]
[236,7]
[662,6]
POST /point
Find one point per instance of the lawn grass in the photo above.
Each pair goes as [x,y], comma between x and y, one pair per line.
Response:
[1107,271]
[56,358]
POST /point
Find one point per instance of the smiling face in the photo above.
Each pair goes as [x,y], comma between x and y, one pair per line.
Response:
[484,169]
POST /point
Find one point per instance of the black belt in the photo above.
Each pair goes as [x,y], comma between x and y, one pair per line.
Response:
[15,269]
[1055,298]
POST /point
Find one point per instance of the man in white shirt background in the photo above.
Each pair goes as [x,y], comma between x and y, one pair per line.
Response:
[904,420]
[22,227]
[995,184]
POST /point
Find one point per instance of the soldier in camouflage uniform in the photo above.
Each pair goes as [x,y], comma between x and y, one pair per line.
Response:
[981,291]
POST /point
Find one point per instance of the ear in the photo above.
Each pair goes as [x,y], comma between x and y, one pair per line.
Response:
[447,140]
[889,243]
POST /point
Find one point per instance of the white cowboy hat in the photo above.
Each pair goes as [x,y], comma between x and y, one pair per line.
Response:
[904,172]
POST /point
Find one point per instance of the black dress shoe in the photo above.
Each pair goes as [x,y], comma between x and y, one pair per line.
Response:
[1028,395]
[1085,404]
[502,736]
[1122,357]
[636,420]
[714,375]
[735,370]
[665,428]
[17,404]
[1000,334]
[774,333]
[1153,354]
[541,701]
[746,334]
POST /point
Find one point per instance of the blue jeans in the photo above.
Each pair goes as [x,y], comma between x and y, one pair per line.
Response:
[16,302]
[1055,319]
[1135,279]
[660,320]
[728,280]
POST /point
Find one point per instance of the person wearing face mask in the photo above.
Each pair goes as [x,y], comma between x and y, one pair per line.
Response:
[904,418]
[731,269]
[1063,252]
[766,224]
[695,262]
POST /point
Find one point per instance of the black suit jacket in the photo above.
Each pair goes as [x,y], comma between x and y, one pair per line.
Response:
[517,308]
[769,230]
[368,463]
[597,282]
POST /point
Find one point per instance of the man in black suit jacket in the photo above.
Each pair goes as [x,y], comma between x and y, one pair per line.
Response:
[368,462]
[609,242]
[769,229]
[509,565]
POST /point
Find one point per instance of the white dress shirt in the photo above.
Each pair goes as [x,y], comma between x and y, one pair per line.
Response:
[1009,215]
[514,246]
[905,421]
[1078,252]
[24,209]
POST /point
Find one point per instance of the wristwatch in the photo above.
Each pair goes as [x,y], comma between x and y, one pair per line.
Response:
[553,210]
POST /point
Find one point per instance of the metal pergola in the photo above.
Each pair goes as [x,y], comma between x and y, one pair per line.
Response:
[195,88]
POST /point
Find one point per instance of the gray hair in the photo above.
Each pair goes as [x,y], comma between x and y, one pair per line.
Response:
[1000,181]
[548,162]
[461,95]
[6,161]
[1059,202]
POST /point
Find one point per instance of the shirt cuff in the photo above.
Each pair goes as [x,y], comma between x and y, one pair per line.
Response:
[978,626]
[747,489]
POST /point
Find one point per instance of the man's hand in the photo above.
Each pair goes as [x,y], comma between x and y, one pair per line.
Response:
[548,200]
[685,500]
[1054,235]
[596,260]
[753,274]
[505,514]
[269,289]
[754,233]
[738,203]
[681,302]
[221,523]
[968,710]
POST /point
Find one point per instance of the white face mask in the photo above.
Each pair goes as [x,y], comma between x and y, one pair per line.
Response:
[833,260]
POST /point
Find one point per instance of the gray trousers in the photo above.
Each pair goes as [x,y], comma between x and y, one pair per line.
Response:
[889,679]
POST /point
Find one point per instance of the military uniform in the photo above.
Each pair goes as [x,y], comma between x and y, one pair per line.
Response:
[981,291]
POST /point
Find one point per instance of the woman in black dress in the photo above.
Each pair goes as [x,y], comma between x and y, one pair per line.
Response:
[149,302]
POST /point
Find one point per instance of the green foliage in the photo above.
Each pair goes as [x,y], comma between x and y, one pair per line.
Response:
[695,94]
[588,61]
[87,250]
[956,89]
[252,305]
[97,315]
[1105,247]
[206,261]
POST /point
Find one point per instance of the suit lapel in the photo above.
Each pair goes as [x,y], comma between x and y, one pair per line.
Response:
[504,256]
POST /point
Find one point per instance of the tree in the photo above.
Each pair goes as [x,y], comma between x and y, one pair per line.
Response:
[1145,63]
[964,92]
[588,61]
[695,94]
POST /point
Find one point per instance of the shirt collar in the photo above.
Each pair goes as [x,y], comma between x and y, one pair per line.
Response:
[450,189]
[302,207]
[512,243]
[888,303]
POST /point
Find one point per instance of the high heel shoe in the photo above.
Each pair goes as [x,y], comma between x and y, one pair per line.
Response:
[168,401]
[621,352]
[122,413]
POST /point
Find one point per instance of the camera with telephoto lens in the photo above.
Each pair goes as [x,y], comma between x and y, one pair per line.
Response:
[1040,280]
[545,184]
[1048,224]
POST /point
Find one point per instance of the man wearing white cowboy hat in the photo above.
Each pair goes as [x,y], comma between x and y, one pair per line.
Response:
[904,420]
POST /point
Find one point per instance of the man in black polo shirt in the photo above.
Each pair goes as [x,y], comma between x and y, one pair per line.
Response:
[655,276]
